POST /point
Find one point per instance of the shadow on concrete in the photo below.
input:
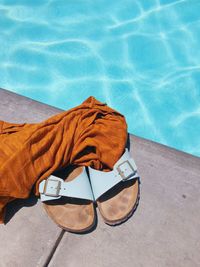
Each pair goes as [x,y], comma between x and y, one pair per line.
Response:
[15,205]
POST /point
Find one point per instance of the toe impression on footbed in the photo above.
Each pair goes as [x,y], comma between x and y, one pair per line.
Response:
[118,204]
[116,192]
[72,214]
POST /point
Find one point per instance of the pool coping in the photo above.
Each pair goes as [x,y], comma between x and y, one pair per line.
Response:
[57,110]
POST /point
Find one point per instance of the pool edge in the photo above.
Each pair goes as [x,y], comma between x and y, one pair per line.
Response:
[53,110]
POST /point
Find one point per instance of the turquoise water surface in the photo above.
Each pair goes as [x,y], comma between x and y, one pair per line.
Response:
[141,57]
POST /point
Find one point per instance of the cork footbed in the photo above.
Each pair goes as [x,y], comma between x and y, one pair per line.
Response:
[71,214]
[118,204]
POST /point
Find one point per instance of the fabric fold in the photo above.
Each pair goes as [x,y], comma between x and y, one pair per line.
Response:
[91,134]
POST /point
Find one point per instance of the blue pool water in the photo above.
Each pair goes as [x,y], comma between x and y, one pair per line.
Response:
[141,57]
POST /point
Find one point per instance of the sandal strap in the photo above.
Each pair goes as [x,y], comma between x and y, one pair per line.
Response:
[123,170]
[55,188]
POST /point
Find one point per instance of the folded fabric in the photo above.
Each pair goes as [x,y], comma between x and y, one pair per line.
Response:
[91,134]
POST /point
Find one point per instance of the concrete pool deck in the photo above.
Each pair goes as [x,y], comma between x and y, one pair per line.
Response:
[164,231]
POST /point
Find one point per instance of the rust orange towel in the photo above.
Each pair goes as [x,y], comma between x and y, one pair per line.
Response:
[89,134]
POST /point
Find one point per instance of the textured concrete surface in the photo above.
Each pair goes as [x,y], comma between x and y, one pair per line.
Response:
[164,231]
[29,236]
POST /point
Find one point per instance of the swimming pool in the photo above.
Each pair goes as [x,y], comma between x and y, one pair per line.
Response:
[141,57]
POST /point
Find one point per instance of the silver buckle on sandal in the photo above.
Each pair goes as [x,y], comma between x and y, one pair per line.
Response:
[126,170]
[52,187]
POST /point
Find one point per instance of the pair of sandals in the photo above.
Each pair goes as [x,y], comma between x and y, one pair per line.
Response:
[70,202]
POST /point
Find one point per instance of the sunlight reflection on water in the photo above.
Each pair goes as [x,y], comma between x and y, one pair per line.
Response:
[141,57]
